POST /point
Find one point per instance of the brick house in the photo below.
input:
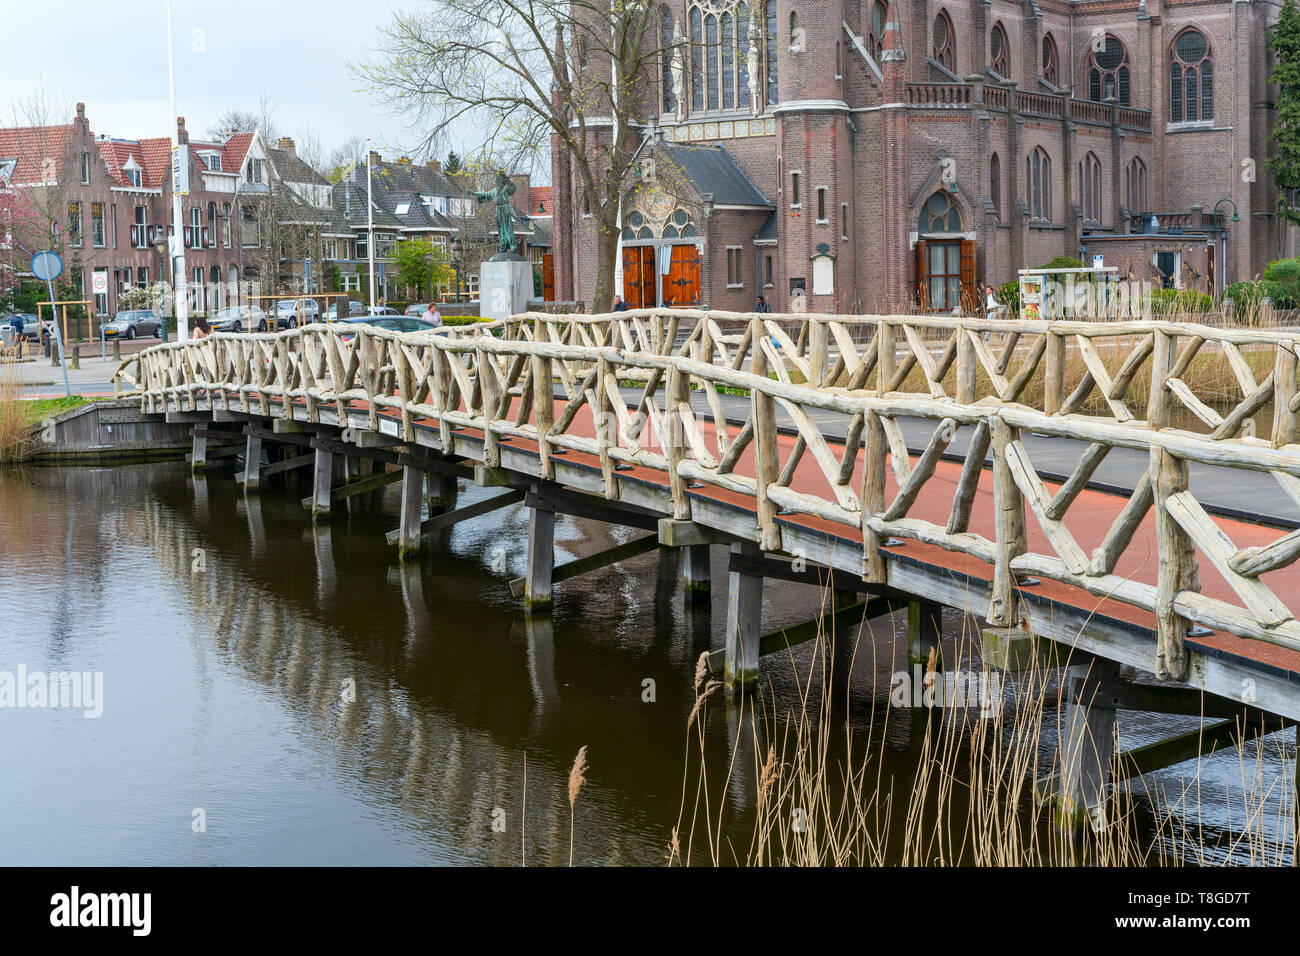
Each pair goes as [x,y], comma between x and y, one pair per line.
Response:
[912,151]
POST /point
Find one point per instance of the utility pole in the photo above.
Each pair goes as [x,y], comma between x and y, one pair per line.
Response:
[180,177]
[370,222]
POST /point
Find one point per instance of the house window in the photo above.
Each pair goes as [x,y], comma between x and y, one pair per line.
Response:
[142,277]
[253,171]
[944,49]
[844,221]
[1000,51]
[126,279]
[214,162]
[1136,185]
[734,277]
[134,177]
[85,169]
[1108,72]
[1090,180]
[876,36]
[112,223]
[794,190]
[1051,71]
[225,225]
[97,223]
[1191,79]
[821,204]
[363,247]
[1038,183]
[995,185]
[250,233]
[74,223]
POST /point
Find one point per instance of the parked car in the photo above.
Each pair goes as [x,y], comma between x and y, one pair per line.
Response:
[394,323]
[415,310]
[31,324]
[354,308]
[382,310]
[133,324]
[238,318]
[287,317]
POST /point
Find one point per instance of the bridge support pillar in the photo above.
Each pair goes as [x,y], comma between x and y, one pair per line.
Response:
[697,577]
[541,559]
[253,465]
[408,535]
[1086,746]
[355,468]
[924,631]
[744,617]
[199,456]
[322,485]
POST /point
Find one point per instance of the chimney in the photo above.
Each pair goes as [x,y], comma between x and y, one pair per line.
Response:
[435,165]
[82,123]
[286,144]
[181,135]
[374,159]
[523,191]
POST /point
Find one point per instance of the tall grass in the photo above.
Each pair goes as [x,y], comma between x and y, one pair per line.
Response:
[15,424]
[979,793]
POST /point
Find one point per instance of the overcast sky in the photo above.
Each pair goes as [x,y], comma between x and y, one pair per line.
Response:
[113,56]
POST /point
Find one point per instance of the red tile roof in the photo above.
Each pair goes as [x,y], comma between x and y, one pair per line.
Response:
[539,201]
[31,145]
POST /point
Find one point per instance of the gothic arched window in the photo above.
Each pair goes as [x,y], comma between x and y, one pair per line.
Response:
[1108,72]
[1038,184]
[876,34]
[1191,79]
[940,214]
[667,41]
[1090,180]
[1051,72]
[944,45]
[1137,187]
[1000,52]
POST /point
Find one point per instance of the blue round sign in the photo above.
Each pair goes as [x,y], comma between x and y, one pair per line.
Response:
[47,266]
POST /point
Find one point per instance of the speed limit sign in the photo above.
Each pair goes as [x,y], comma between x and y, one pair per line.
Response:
[99,283]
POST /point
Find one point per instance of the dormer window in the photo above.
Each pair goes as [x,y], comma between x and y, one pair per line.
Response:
[134,175]
[402,208]
[212,161]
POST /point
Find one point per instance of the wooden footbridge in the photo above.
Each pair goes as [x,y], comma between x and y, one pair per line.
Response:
[783,437]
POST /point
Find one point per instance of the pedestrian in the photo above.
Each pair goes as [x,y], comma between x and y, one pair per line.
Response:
[202,329]
[16,323]
[432,315]
[761,306]
[619,304]
[991,307]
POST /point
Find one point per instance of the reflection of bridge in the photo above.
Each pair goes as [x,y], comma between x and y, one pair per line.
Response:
[642,436]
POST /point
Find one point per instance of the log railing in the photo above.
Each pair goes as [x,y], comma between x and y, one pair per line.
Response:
[1076,380]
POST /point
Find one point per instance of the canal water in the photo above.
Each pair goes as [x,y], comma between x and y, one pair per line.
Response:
[276,693]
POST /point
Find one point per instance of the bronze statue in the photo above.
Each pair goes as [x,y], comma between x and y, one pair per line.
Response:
[500,195]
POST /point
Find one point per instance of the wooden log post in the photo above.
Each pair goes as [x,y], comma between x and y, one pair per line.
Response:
[766,459]
[541,559]
[697,576]
[408,540]
[544,414]
[1174,548]
[873,499]
[1284,390]
[966,368]
[253,464]
[678,395]
[924,631]
[1009,517]
[1087,744]
[818,352]
[1054,374]
[744,619]
[322,485]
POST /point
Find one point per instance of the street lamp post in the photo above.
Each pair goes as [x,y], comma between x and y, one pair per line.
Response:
[1222,270]
[181,154]
[160,246]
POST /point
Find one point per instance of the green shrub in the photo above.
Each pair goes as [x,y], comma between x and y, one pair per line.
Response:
[1249,295]
[1181,300]
[1008,294]
[1063,262]
[462,319]
[1286,271]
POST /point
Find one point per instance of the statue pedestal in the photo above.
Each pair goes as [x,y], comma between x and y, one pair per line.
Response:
[505,286]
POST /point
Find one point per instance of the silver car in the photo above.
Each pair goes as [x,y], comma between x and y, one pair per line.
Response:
[286,313]
[239,318]
[134,324]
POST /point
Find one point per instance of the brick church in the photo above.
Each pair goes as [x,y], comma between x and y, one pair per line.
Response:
[862,155]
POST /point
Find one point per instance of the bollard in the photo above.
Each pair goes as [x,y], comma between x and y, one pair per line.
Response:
[53,353]
[76,357]
[117,350]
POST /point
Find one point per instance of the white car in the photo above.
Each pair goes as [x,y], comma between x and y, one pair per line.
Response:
[239,318]
[286,313]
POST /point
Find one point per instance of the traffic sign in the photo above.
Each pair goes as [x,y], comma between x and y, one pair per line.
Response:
[47,266]
[181,170]
[99,282]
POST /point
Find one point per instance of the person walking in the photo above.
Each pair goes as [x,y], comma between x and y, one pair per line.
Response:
[992,308]
[202,328]
[432,315]
[16,323]
[619,304]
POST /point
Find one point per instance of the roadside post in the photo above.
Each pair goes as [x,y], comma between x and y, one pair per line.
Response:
[47,266]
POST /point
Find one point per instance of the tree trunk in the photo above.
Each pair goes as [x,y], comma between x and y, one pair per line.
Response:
[606,259]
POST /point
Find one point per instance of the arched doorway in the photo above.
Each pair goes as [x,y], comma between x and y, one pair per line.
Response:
[661,261]
[945,258]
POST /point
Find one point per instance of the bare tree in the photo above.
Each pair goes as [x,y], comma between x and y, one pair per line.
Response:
[343,157]
[516,73]
[261,117]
